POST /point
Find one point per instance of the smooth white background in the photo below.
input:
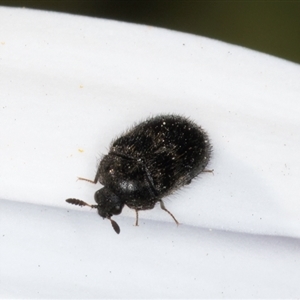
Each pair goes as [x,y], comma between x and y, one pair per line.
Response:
[71,84]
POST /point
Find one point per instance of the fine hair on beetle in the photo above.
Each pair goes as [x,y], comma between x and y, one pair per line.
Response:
[148,162]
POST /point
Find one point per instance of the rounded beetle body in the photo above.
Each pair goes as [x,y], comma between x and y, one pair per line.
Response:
[154,158]
[148,162]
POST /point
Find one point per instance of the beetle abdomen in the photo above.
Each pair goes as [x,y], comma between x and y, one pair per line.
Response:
[172,149]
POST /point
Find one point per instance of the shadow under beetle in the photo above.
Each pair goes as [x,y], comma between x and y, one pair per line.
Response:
[148,162]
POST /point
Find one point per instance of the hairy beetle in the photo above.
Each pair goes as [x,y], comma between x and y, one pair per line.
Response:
[148,162]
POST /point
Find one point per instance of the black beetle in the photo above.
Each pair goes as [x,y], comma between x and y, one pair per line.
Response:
[148,162]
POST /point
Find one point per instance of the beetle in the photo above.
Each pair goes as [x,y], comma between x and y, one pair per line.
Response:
[148,162]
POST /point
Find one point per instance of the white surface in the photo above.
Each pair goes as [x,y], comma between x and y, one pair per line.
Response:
[69,85]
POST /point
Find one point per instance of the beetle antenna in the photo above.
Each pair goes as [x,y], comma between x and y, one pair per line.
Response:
[80,203]
[115,226]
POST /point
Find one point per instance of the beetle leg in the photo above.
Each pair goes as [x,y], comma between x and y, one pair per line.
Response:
[136,217]
[89,180]
[85,179]
[208,171]
[162,205]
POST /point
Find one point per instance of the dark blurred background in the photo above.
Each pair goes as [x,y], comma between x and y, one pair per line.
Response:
[268,26]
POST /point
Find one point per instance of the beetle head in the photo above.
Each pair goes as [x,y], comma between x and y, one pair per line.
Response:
[108,203]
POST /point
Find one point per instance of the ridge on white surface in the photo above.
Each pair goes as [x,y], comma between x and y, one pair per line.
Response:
[61,253]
